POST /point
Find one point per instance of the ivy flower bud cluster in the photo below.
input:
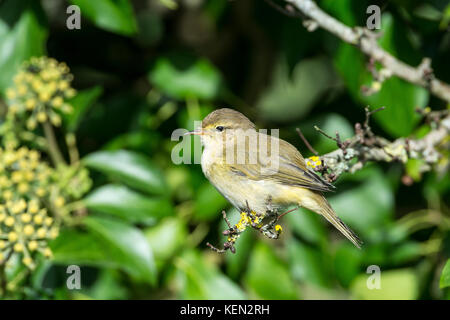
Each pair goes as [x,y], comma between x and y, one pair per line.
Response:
[25,229]
[23,173]
[39,94]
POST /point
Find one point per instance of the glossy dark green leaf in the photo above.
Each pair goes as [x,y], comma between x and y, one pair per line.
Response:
[75,247]
[445,276]
[22,35]
[129,167]
[406,252]
[367,207]
[347,263]
[399,97]
[112,15]
[127,204]
[128,244]
[106,246]
[200,79]
[209,203]
[166,238]
[306,224]
[200,279]
[307,264]
[290,97]
[81,103]
[267,277]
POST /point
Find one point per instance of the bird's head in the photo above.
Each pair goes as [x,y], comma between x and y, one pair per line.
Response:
[222,124]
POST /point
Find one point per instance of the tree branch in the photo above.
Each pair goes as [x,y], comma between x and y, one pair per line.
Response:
[366,41]
[364,146]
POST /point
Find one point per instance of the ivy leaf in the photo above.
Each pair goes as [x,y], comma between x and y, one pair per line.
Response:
[129,167]
[108,244]
[112,15]
[201,280]
[197,78]
[22,36]
[268,277]
[307,264]
[208,203]
[128,244]
[398,96]
[445,276]
[128,204]
[81,102]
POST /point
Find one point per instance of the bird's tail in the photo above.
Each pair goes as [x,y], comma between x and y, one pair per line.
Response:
[324,208]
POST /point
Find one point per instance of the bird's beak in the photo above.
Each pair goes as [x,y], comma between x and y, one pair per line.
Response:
[195,132]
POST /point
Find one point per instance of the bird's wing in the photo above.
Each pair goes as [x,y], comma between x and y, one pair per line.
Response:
[291,168]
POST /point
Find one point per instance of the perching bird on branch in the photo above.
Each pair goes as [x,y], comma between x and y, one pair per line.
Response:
[251,168]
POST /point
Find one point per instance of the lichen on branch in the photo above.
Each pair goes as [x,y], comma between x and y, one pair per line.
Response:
[353,153]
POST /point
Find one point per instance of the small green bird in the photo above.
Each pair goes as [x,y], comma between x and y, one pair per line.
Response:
[265,169]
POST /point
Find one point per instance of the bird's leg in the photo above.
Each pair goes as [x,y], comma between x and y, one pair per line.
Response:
[284,213]
[253,219]
[271,232]
[271,229]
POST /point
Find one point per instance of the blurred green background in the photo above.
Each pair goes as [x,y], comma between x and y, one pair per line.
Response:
[145,68]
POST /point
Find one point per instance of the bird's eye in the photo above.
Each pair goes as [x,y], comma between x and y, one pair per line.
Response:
[219,128]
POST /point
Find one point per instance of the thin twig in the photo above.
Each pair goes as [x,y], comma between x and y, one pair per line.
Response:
[365,147]
[324,133]
[288,10]
[308,145]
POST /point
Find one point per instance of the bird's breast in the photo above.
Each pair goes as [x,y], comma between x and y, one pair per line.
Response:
[236,188]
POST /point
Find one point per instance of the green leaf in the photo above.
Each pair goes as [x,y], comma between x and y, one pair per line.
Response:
[331,124]
[112,15]
[405,252]
[307,224]
[95,249]
[81,103]
[398,96]
[201,280]
[108,286]
[268,277]
[400,284]
[445,276]
[128,204]
[199,79]
[400,99]
[128,244]
[209,203]
[347,263]
[22,36]
[166,238]
[368,206]
[75,247]
[307,264]
[129,167]
[290,97]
